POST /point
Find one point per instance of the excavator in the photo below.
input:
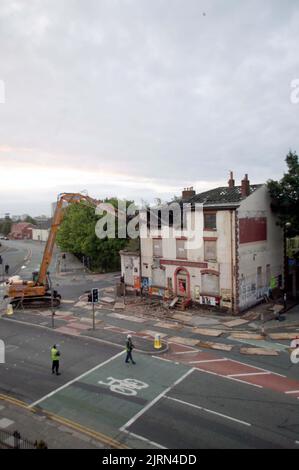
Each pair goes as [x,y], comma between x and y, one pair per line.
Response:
[37,292]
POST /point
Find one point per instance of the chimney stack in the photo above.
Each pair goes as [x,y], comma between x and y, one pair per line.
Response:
[231,181]
[245,186]
[187,193]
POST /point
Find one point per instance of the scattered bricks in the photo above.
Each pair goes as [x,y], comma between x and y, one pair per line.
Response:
[235,322]
[247,336]
[283,335]
[187,341]
[258,351]
[207,332]
[219,346]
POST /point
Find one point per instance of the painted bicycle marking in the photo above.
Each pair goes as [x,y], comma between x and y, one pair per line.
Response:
[124,386]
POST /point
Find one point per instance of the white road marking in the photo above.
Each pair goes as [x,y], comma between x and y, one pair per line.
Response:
[144,439]
[292,391]
[189,352]
[155,400]
[226,377]
[75,380]
[209,411]
[166,360]
[256,367]
[250,373]
[207,360]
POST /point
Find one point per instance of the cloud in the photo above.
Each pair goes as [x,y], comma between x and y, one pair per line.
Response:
[149,96]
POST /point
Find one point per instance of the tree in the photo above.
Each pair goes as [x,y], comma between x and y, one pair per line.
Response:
[285,196]
[77,235]
[30,220]
[5,226]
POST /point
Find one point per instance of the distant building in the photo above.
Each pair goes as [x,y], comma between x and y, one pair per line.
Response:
[21,231]
[41,231]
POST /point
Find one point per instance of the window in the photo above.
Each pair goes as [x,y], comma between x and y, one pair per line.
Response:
[210,284]
[181,252]
[157,248]
[259,280]
[210,221]
[210,249]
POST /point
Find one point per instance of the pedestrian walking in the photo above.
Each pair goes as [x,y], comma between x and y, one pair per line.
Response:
[6,269]
[55,354]
[129,347]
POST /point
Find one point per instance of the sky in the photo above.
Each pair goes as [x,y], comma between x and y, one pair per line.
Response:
[141,98]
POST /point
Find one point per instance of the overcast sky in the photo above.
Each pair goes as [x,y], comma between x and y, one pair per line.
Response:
[140,98]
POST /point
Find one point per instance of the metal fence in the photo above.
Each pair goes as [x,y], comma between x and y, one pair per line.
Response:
[14,440]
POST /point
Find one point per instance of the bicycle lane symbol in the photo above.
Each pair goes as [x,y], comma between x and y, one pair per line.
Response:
[124,386]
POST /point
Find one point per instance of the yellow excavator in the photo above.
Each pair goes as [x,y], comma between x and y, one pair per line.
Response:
[36,293]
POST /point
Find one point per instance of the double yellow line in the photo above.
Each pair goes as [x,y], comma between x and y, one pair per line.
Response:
[98,436]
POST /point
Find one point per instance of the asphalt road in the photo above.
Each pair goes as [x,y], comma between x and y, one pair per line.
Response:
[26,373]
[179,408]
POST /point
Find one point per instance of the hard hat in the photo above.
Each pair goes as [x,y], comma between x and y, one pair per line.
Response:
[129,336]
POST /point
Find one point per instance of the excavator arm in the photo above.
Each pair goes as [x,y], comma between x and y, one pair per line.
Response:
[57,219]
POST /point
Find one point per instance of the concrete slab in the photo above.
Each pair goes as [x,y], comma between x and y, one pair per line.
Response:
[247,336]
[183,318]
[127,317]
[236,322]
[168,325]
[181,340]
[258,351]
[152,333]
[108,300]
[207,332]
[119,305]
[289,336]
[218,346]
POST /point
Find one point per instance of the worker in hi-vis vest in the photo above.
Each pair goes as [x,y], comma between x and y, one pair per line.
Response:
[55,354]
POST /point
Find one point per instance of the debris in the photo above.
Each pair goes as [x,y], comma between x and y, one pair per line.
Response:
[173,302]
[283,335]
[168,325]
[181,340]
[247,336]
[207,331]
[235,322]
[220,346]
[119,305]
[259,351]
[108,300]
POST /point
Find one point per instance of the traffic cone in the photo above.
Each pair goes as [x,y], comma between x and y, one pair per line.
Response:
[157,342]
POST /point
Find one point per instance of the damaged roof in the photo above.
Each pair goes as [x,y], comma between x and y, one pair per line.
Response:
[222,195]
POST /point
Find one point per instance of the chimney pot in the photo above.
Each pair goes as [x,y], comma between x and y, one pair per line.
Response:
[245,186]
[231,181]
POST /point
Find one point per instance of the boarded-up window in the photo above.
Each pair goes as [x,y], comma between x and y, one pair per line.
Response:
[253,229]
[259,280]
[209,284]
[210,221]
[181,252]
[210,250]
[158,279]
[157,247]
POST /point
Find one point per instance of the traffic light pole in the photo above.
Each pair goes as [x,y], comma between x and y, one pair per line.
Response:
[93,316]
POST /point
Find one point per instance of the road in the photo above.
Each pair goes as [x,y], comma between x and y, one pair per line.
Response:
[175,406]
